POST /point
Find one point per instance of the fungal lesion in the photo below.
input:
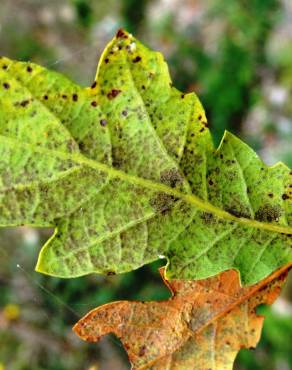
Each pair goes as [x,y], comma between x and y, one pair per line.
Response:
[113,93]
[207,218]
[240,213]
[268,213]
[163,203]
[171,177]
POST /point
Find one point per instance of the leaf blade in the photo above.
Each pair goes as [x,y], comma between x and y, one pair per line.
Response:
[179,332]
[139,133]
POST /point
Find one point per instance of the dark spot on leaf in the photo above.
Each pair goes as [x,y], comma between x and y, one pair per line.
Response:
[110,273]
[5,66]
[106,60]
[142,350]
[94,85]
[211,182]
[103,122]
[268,213]
[171,177]
[270,195]
[121,33]
[94,103]
[202,129]
[200,117]
[45,97]
[29,69]
[236,212]
[112,94]
[74,97]
[182,96]
[24,103]
[162,202]
[81,146]
[207,217]
[6,85]
[137,59]
[143,87]
[285,196]
[124,113]
[126,345]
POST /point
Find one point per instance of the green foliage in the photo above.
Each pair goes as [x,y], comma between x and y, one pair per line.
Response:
[84,12]
[227,71]
[126,171]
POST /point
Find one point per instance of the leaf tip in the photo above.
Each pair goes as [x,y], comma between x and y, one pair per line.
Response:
[121,33]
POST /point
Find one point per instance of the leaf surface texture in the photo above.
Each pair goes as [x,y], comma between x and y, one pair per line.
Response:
[126,171]
[203,326]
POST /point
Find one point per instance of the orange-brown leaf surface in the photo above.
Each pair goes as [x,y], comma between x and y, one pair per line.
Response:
[202,326]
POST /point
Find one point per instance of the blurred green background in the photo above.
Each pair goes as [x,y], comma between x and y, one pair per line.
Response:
[237,56]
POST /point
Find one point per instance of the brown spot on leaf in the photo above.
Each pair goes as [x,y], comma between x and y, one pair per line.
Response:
[237,212]
[268,213]
[142,350]
[121,34]
[137,59]
[24,103]
[113,93]
[162,202]
[75,97]
[111,273]
[207,217]
[6,85]
[171,177]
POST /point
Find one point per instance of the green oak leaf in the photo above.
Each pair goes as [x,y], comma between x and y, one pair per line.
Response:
[126,172]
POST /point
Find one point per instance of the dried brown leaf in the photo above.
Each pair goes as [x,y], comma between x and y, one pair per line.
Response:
[202,326]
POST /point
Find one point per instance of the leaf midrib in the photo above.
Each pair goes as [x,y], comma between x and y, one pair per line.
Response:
[149,184]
